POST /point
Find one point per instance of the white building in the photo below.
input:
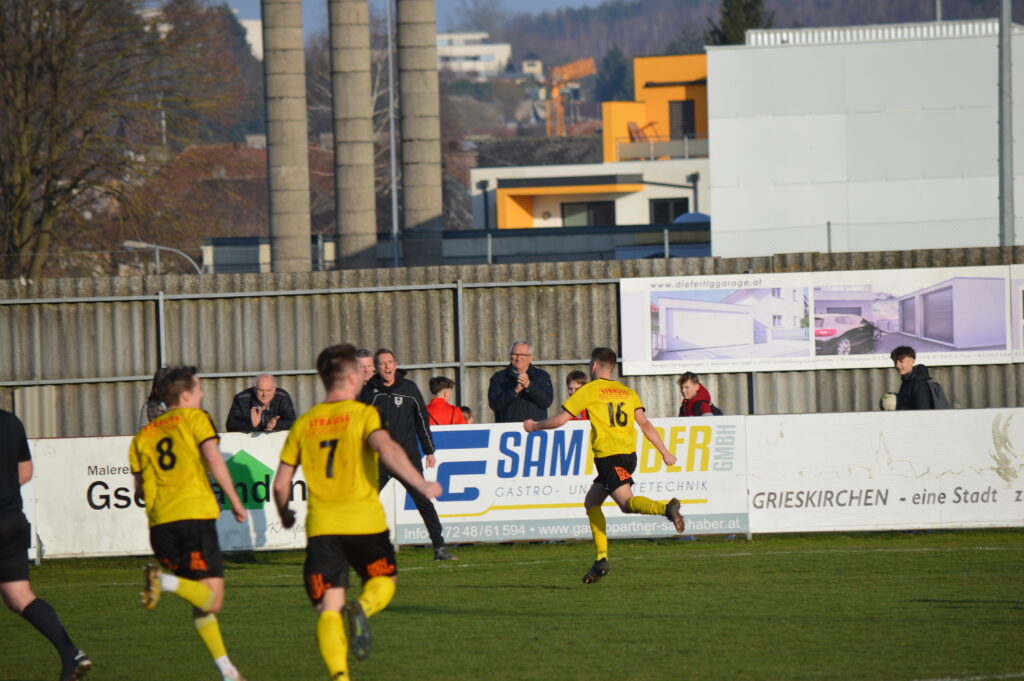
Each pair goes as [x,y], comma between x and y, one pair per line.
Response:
[862,138]
[468,54]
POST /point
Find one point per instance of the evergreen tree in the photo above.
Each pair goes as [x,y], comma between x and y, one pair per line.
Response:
[736,17]
[614,77]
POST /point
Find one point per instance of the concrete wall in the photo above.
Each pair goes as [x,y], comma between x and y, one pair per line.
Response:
[893,142]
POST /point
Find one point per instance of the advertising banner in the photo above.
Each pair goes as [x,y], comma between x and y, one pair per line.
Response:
[820,320]
[501,484]
[716,323]
[885,471]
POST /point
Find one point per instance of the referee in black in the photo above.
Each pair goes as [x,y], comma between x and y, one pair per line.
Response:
[15,471]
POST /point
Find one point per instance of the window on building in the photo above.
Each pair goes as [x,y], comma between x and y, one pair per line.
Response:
[591,213]
[682,119]
[776,293]
[776,320]
[664,211]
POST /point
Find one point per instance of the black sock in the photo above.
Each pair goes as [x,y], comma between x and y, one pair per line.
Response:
[43,617]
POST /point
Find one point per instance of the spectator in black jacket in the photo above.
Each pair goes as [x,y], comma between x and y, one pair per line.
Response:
[914,391]
[520,391]
[262,408]
[405,416]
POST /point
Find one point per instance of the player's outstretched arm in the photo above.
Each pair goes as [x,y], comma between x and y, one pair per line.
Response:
[24,471]
[219,471]
[395,458]
[282,491]
[651,433]
[529,425]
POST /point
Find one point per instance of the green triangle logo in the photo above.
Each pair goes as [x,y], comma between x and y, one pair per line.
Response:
[252,480]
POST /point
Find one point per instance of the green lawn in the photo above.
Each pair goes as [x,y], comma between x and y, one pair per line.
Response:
[900,606]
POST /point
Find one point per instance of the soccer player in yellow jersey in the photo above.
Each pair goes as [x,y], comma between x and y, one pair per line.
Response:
[337,442]
[172,459]
[613,409]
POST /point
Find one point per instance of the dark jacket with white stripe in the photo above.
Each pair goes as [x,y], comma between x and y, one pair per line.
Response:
[404,413]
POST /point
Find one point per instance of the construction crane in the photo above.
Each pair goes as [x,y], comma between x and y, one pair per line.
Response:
[559,78]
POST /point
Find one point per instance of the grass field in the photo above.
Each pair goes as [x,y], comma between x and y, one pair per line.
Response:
[901,606]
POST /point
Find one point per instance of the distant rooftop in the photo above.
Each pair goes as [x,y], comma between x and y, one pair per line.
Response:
[766,37]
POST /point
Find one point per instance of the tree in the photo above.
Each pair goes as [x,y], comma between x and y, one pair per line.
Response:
[488,16]
[736,17]
[614,77]
[93,94]
[687,41]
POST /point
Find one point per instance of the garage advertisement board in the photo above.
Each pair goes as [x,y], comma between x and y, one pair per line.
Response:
[820,320]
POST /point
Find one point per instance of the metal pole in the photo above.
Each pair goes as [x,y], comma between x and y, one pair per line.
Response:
[391,132]
[664,234]
[828,233]
[156,256]
[490,252]
[938,10]
[460,372]
[161,331]
[1006,212]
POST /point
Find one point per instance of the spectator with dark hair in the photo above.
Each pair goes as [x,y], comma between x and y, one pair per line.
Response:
[574,380]
[405,416]
[467,414]
[440,410]
[262,408]
[520,391]
[154,404]
[365,360]
[914,391]
[696,398]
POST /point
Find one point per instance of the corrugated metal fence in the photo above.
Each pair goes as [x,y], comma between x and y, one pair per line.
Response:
[78,354]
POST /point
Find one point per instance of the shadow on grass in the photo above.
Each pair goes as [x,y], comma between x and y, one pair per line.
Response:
[972,603]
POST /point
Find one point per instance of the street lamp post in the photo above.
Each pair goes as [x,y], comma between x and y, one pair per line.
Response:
[133,245]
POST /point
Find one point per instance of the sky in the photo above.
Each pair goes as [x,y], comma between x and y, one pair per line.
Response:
[315,11]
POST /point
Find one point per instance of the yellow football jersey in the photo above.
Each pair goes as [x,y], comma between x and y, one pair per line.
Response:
[610,406]
[175,476]
[329,441]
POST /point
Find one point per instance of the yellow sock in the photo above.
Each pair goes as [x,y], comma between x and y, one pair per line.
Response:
[209,631]
[646,506]
[598,527]
[377,593]
[330,639]
[197,594]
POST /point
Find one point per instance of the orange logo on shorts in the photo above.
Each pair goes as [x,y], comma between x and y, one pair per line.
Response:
[317,586]
[197,562]
[166,562]
[380,568]
[623,473]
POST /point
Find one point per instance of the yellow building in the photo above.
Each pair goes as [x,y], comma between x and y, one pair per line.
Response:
[655,152]
[669,118]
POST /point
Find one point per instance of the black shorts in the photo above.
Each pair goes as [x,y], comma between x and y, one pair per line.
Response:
[329,556]
[14,543]
[615,471]
[188,548]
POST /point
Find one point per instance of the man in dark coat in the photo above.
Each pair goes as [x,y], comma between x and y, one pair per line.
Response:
[405,416]
[914,391]
[262,408]
[520,391]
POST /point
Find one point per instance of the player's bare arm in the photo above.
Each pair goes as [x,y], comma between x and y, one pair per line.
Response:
[219,471]
[24,471]
[395,458]
[530,426]
[651,433]
[282,491]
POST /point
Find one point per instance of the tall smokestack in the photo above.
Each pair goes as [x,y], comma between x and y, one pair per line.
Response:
[420,131]
[284,73]
[351,84]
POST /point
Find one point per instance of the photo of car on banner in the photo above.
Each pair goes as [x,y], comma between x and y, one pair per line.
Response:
[818,320]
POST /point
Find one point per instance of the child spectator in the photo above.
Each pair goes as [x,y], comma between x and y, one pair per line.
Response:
[467,413]
[575,380]
[442,412]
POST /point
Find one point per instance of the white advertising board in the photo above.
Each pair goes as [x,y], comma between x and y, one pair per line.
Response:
[501,484]
[819,320]
[886,470]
